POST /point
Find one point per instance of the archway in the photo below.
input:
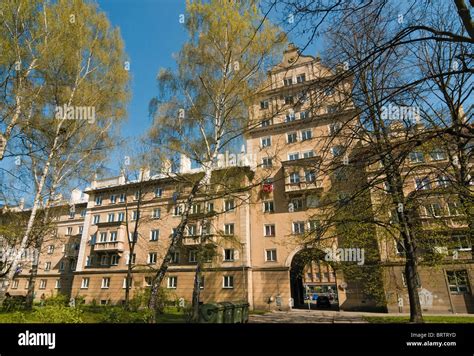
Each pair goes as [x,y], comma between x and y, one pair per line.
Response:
[310,277]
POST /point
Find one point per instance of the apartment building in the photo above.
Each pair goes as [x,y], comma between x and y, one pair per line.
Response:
[257,238]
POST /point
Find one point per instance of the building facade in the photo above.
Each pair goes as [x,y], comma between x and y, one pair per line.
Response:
[259,234]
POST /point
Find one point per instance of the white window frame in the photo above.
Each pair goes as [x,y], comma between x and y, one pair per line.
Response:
[231,253]
[270,227]
[105,283]
[172,282]
[227,229]
[228,282]
[272,253]
[154,235]
[152,258]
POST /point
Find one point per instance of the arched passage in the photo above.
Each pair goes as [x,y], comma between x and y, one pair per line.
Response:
[311,276]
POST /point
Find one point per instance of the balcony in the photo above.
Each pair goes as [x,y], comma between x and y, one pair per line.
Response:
[71,252]
[109,246]
[303,186]
[196,240]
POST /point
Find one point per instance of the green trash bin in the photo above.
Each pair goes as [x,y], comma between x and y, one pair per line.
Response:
[211,313]
[228,312]
[238,311]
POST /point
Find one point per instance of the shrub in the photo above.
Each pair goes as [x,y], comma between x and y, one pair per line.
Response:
[120,315]
[57,300]
[58,314]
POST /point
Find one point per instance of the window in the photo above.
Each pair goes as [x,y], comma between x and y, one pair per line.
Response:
[287,81]
[458,281]
[111,217]
[301,78]
[332,109]
[43,284]
[329,91]
[69,231]
[229,229]
[267,162]
[264,104]
[293,156]
[266,141]
[228,254]
[228,282]
[422,183]
[81,229]
[83,212]
[152,258]
[121,216]
[462,242]
[114,260]
[435,209]
[454,209]
[306,135]
[172,282]
[88,261]
[266,122]
[297,204]
[292,137]
[400,248]
[158,192]
[334,128]
[438,155]
[298,227]
[61,266]
[192,256]
[269,230]
[304,115]
[156,213]
[314,225]
[136,196]
[210,207]
[178,210]
[442,181]
[72,213]
[103,237]
[271,255]
[104,260]
[96,219]
[47,266]
[122,198]
[85,283]
[175,257]
[229,205]
[131,259]
[113,236]
[290,117]
[148,281]
[27,284]
[127,282]
[154,234]
[308,154]
[15,284]
[196,209]
[416,157]
[268,206]
[192,230]
[205,229]
[135,215]
[50,249]
[113,199]
[294,177]
[105,283]
[310,176]
[288,100]
[337,151]
[98,200]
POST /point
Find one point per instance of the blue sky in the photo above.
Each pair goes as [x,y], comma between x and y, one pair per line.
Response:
[152,33]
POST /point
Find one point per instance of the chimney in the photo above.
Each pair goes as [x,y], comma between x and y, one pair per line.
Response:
[184,164]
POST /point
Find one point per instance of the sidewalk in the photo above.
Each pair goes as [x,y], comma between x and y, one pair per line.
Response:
[326,316]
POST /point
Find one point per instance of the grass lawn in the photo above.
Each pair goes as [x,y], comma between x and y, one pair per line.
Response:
[448,319]
[88,315]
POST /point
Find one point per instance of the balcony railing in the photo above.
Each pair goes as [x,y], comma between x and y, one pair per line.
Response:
[196,240]
[109,246]
[296,187]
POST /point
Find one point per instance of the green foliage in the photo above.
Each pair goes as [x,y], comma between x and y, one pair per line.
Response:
[58,314]
[120,315]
